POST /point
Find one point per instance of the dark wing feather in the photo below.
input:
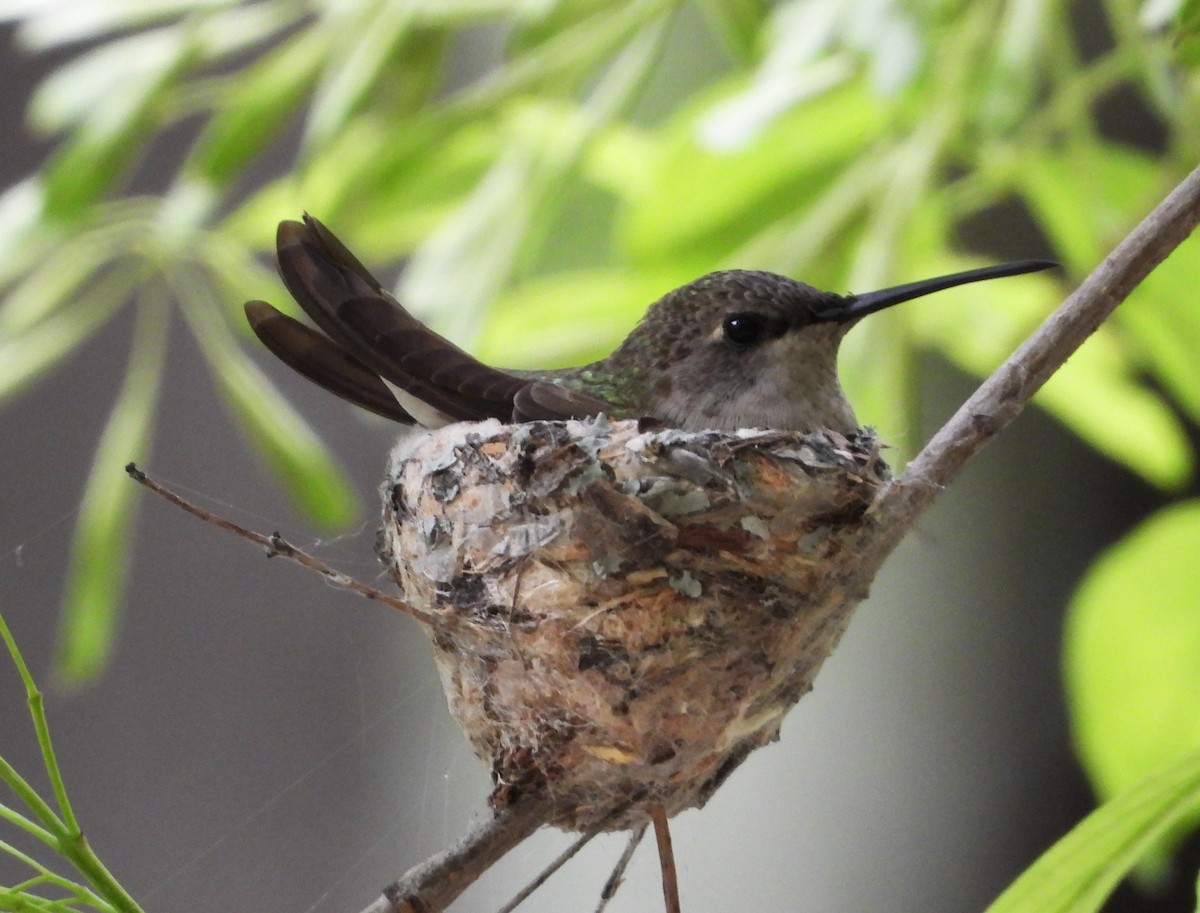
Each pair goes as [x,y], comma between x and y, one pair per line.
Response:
[345,301]
[322,361]
[545,400]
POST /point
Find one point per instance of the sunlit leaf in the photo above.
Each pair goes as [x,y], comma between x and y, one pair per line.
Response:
[1132,653]
[96,578]
[531,31]
[738,23]
[745,189]
[107,85]
[1098,395]
[40,347]
[1079,872]
[1163,321]
[46,24]
[256,106]
[466,262]
[455,12]
[360,57]
[1088,197]
[565,59]
[23,237]
[477,251]
[569,318]
[114,118]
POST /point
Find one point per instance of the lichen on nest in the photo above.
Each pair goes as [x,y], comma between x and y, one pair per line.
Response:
[624,615]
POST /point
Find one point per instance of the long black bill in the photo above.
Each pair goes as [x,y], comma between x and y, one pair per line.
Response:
[852,307]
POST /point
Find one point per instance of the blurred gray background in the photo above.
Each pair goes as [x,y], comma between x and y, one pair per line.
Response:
[264,742]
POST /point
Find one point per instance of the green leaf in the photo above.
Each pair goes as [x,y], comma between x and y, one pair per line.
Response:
[1132,653]
[569,318]
[1162,321]
[738,23]
[289,445]
[565,59]
[96,578]
[23,237]
[1088,196]
[416,177]
[134,75]
[64,275]
[473,253]
[1016,69]
[27,354]
[106,86]
[256,105]
[360,56]
[706,194]
[479,249]
[49,24]
[1099,396]
[470,12]
[1078,873]
[1187,33]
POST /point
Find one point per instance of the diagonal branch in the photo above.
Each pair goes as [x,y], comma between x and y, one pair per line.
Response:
[1002,397]
[276,546]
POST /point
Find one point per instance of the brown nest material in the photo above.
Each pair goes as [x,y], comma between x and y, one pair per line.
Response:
[624,615]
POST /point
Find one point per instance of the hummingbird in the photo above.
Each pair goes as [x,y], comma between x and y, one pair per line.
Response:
[733,349]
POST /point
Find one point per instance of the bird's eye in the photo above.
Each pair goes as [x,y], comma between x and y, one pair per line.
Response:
[744,329]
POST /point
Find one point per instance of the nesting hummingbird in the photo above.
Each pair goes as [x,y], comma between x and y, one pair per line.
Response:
[733,349]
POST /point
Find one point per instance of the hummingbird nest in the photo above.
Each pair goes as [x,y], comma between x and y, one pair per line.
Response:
[622,616]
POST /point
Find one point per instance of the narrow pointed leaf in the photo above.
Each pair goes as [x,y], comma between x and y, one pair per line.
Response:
[96,578]
[1131,649]
[257,106]
[354,73]
[1079,872]
[25,356]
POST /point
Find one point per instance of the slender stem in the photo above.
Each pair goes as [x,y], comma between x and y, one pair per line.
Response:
[609,891]
[562,859]
[46,876]
[64,836]
[277,546]
[666,858]
[14,817]
[83,857]
[8,773]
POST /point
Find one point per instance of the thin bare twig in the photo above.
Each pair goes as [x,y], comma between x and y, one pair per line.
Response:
[562,859]
[609,891]
[277,546]
[666,858]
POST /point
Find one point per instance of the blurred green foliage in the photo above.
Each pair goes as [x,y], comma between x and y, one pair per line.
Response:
[548,167]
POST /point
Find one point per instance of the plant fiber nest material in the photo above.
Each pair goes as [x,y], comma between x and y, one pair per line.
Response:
[622,616]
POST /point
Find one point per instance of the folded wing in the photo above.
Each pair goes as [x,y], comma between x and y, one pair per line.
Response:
[375,354]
